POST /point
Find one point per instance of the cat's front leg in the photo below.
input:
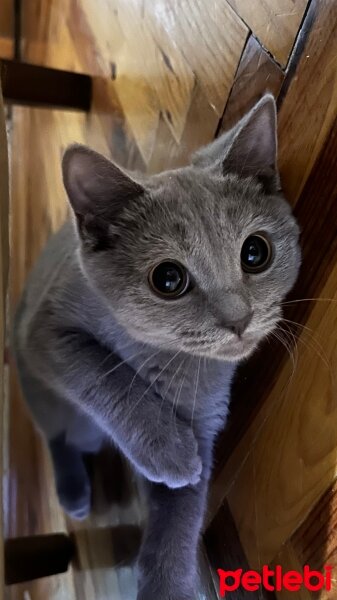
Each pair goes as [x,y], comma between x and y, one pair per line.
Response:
[162,449]
[165,449]
[168,557]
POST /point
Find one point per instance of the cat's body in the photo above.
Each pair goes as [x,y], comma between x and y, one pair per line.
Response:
[103,352]
[75,304]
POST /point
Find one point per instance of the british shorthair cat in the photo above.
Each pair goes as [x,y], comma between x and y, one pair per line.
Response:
[137,314]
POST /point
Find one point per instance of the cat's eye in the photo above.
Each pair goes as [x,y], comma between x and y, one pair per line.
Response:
[256,254]
[169,279]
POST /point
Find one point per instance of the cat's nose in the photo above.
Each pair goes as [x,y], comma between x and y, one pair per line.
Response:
[238,326]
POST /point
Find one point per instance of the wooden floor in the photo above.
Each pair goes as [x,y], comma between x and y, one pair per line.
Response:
[170,76]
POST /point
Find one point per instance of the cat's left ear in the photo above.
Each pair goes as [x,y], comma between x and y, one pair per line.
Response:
[98,190]
[250,148]
[95,184]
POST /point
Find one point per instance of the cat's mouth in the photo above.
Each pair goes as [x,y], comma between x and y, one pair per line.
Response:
[232,350]
[237,349]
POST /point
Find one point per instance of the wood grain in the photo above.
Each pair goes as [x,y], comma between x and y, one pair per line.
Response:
[314,543]
[300,435]
[4,224]
[163,76]
[201,125]
[289,561]
[6,48]
[6,29]
[257,74]
[297,423]
[225,552]
[159,74]
[275,23]
[249,382]
[31,506]
[221,36]
[309,107]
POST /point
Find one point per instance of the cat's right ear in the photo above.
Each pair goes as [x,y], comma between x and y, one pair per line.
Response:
[249,149]
[97,190]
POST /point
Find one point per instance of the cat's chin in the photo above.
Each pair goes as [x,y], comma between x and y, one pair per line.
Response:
[236,351]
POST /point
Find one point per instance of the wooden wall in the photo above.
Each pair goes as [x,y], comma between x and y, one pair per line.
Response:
[6,29]
[4,225]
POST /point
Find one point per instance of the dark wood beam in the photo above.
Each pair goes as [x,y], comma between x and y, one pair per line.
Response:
[31,85]
[30,558]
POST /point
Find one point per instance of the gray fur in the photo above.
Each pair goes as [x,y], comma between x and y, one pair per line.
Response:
[100,356]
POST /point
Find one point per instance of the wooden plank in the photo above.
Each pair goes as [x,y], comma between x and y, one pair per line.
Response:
[249,383]
[6,48]
[207,587]
[225,552]
[288,559]
[309,107]
[29,558]
[257,74]
[40,86]
[292,458]
[275,23]
[314,544]
[221,37]
[108,131]
[31,505]
[315,541]
[297,423]
[7,19]
[149,50]
[201,125]
[4,265]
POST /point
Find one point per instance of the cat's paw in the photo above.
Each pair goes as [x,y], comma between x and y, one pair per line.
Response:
[171,456]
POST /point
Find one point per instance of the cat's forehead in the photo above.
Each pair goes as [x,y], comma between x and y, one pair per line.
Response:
[200,199]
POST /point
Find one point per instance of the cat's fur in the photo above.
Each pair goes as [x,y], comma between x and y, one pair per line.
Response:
[100,355]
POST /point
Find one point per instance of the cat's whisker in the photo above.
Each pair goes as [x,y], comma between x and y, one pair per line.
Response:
[292,343]
[321,354]
[139,370]
[151,384]
[308,300]
[284,343]
[120,349]
[315,345]
[297,324]
[205,370]
[175,373]
[120,363]
[196,390]
[308,331]
[318,349]
[176,395]
[177,398]
[159,348]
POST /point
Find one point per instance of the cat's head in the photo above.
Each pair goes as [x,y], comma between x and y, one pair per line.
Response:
[197,259]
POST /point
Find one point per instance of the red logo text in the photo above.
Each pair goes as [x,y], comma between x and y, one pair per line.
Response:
[275,580]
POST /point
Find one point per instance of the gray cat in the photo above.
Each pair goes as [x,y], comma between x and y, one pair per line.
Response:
[137,314]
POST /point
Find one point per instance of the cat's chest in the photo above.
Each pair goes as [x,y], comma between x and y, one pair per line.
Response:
[194,387]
